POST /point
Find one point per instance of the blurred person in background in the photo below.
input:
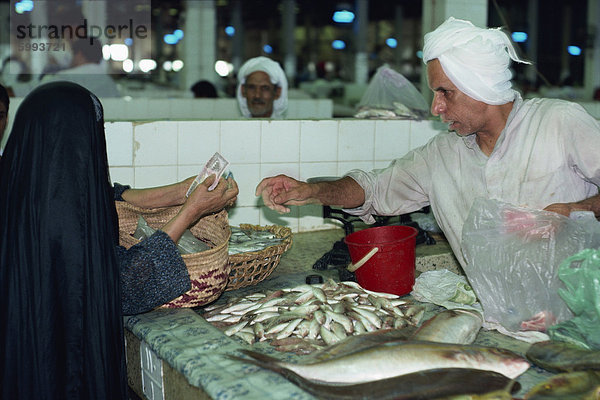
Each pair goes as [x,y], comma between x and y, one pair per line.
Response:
[262,89]
[204,89]
[87,68]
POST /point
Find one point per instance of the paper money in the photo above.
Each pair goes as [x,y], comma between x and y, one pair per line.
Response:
[215,166]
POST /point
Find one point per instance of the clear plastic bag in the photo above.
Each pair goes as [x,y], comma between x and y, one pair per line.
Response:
[513,255]
[390,95]
[581,276]
[187,244]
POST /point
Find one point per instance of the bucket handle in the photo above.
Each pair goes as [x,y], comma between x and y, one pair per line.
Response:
[362,261]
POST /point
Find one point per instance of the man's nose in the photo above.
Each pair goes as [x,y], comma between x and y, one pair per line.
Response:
[437,106]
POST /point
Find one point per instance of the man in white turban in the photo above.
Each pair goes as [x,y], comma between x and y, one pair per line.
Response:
[262,89]
[538,153]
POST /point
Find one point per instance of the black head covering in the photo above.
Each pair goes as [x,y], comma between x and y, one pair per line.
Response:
[61,330]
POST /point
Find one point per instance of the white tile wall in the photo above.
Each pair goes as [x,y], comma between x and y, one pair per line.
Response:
[163,152]
[151,109]
[356,140]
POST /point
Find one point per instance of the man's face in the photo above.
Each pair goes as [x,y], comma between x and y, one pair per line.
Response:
[260,94]
[463,114]
[3,119]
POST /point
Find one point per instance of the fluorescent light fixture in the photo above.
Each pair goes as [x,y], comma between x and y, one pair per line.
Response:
[128,65]
[24,6]
[223,68]
[338,44]
[147,65]
[391,42]
[119,52]
[177,65]
[519,37]
[343,17]
[170,39]
[106,52]
[574,50]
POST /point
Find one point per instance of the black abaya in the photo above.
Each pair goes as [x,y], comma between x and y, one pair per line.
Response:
[61,330]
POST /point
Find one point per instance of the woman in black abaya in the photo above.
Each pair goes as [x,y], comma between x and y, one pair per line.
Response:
[64,281]
[61,330]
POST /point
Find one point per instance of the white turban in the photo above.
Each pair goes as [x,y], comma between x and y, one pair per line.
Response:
[475,59]
[277,77]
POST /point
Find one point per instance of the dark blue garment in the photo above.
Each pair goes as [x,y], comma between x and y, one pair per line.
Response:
[152,271]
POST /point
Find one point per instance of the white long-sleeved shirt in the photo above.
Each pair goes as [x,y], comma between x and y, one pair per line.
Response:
[548,152]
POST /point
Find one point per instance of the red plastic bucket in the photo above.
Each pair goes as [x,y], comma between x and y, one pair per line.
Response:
[392,268]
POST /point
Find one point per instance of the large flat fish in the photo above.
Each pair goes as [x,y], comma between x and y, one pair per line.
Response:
[562,357]
[579,385]
[388,360]
[450,326]
[413,386]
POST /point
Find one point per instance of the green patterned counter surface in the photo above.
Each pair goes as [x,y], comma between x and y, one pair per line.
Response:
[198,351]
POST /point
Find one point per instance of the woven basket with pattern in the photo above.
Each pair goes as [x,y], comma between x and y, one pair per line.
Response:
[250,268]
[209,270]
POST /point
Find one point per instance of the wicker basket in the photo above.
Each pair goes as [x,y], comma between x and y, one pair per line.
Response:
[209,270]
[253,267]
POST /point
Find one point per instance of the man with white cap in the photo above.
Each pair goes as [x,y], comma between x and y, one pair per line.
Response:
[539,153]
[262,89]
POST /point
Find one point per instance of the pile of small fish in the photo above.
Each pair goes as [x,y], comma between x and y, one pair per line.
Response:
[243,240]
[308,317]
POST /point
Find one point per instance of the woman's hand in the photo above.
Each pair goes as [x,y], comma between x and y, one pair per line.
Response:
[201,203]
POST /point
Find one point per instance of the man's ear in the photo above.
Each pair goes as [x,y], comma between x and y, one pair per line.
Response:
[277,92]
[243,87]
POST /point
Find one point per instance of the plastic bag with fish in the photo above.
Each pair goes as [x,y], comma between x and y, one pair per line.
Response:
[391,96]
[513,254]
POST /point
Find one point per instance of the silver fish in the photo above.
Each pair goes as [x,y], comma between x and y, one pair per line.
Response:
[235,328]
[450,326]
[287,331]
[388,360]
[246,336]
[328,336]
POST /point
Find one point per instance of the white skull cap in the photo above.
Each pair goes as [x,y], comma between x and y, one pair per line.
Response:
[277,77]
[475,59]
